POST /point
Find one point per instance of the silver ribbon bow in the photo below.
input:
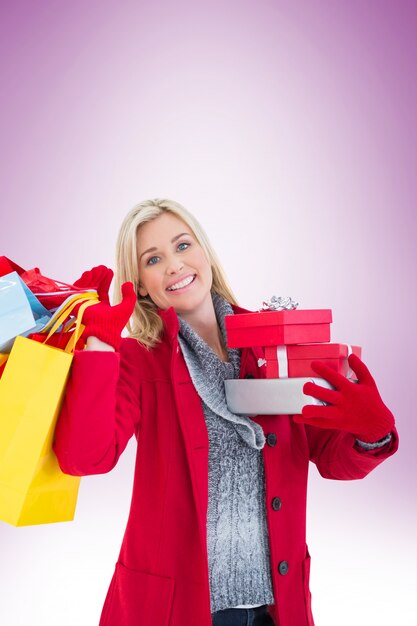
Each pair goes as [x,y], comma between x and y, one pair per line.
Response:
[279,303]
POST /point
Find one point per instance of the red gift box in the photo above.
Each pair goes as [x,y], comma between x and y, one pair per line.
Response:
[273,328]
[295,361]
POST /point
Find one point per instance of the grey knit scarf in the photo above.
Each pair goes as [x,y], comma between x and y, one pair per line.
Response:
[209,373]
[237,534]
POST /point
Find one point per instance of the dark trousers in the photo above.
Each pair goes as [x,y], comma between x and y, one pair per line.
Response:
[243,617]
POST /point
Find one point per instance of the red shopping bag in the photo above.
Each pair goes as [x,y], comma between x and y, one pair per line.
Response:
[57,340]
[51,293]
[3,361]
[7,266]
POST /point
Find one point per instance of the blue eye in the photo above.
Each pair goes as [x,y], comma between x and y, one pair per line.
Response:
[183,243]
[150,261]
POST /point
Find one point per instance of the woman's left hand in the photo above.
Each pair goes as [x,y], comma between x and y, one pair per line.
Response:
[355,408]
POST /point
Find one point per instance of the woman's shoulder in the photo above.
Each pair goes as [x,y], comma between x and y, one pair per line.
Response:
[148,360]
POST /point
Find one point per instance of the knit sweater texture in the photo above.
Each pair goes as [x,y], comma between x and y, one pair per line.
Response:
[237,536]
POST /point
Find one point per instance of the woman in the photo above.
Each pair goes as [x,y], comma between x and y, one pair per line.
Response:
[216,530]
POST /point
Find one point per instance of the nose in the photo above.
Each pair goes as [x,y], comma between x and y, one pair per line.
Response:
[174,265]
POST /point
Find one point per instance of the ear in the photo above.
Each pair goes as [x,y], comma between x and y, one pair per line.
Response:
[142,291]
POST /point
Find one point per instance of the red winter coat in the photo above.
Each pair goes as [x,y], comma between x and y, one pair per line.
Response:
[161,577]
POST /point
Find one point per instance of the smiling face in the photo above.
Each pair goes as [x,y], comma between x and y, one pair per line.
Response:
[173,268]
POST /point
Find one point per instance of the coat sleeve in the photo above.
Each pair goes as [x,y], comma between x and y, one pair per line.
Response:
[99,414]
[337,455]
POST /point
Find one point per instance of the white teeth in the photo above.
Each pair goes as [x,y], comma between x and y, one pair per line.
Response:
[183,283]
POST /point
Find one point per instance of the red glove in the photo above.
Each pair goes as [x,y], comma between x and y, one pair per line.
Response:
[106,322]
[355,408]
[98,278]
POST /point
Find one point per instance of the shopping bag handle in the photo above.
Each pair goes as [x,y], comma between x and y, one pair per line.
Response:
[61,315]
[60,319]
[67,307]
[79,327]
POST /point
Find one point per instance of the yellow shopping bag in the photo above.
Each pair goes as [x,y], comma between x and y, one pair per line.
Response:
[33,489]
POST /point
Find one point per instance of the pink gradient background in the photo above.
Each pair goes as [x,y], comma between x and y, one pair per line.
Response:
[289,129]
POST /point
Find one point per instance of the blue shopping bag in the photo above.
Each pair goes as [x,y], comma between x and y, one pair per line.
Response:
[20,311]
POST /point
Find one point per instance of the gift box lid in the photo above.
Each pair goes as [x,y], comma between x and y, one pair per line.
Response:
[278,318]
[320,351]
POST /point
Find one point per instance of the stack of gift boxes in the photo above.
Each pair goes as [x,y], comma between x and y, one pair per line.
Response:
[291,340]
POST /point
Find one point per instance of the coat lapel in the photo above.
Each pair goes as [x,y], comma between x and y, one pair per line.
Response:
[192,423]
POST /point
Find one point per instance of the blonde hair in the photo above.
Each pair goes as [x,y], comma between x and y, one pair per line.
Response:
[145,325]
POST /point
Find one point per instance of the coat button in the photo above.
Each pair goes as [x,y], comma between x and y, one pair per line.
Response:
[249,376]
[283,568]
[276,504]
[271,439]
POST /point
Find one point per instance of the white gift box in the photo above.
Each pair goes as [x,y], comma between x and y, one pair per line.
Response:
[270,396]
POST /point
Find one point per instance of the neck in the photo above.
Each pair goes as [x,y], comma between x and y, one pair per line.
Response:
[204,322]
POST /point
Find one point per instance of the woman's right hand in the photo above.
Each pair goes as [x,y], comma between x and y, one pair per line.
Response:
[98,278]
[105,322]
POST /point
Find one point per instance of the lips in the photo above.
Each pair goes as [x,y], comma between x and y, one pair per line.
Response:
[182,283]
